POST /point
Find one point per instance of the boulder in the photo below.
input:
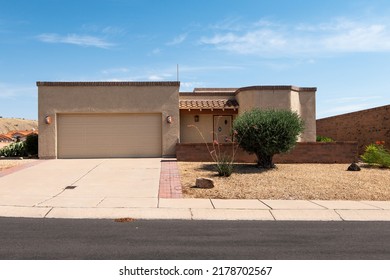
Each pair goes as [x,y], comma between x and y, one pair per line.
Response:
[204,183]
[354,167]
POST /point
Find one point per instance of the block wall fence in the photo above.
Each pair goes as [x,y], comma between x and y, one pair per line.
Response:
[304,152]
[364,127]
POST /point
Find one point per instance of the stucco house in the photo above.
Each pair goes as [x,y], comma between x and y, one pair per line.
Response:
[148,119]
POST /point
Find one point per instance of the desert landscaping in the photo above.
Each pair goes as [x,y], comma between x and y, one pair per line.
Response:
[288,181]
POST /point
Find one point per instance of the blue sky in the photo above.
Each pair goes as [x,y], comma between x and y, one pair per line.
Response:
[340,47]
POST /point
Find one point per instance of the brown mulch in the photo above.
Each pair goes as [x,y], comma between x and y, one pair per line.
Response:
[288,181]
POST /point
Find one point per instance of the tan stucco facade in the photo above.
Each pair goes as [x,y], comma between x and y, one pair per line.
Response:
[300,100]
[204,131]
[56,98]
[203,108]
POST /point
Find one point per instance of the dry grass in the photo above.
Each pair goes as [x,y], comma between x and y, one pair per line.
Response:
[7,124]
[289,181]
[8,163]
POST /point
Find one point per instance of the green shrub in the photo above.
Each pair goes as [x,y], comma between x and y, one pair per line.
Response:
[17,149]
[324,139]
[267,132]
[376,154]
[224,166]
[32,144]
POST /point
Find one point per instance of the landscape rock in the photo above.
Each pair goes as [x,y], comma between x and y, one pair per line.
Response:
[204,183]
[354,167]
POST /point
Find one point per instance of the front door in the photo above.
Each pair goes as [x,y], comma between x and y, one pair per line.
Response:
[223,129]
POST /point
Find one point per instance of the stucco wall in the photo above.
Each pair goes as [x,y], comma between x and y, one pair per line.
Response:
[107,97]
[307,101]
[191,134]
[300,100]
[205,125]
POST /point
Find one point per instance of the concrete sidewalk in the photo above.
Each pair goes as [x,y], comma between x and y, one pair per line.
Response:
[209,209]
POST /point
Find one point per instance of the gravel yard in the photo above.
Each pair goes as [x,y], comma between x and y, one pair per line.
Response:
[289,181]
[8,163]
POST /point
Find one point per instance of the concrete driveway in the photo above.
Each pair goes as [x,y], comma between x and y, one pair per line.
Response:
[131,188]
[84,183]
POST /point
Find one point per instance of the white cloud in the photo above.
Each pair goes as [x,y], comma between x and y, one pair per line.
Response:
[342,100]
[265,38]
[159,77]
[115,70]
[342,105]
[337,110]
[231,24]
[75,39]
[107,30]
[177,40]
[12,91]
[365,38]
[189,86]
[208,68]
[155,78]
[111,30]
[155,51]
[253,42]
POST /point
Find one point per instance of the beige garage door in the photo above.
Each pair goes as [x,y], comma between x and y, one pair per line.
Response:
[108,135]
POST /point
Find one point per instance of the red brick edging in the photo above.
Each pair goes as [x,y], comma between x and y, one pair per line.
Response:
[304,152]
[170,186]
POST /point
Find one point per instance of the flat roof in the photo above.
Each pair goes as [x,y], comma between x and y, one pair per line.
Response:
[234,91]
[294,88]
[104,84]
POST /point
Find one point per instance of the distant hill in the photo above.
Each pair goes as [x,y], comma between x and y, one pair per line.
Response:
[7,125]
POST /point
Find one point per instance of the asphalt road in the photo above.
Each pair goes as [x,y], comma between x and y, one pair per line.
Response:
[164,239]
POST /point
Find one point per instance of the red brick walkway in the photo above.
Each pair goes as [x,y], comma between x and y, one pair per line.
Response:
[170,186]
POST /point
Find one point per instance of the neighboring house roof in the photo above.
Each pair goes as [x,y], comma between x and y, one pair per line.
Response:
[208,104]
[5,138]
[20,133]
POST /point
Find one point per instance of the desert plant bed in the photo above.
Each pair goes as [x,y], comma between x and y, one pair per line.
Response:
[289,181]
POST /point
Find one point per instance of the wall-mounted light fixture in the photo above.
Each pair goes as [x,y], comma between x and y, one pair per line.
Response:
[196,118]
[47,120]
[169,119]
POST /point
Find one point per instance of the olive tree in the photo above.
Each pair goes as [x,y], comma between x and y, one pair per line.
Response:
[267,132]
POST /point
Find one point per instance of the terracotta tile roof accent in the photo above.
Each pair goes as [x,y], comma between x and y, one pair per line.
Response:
[105,84]
[4,137]
[293,88]
[208,104]
[21,132]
